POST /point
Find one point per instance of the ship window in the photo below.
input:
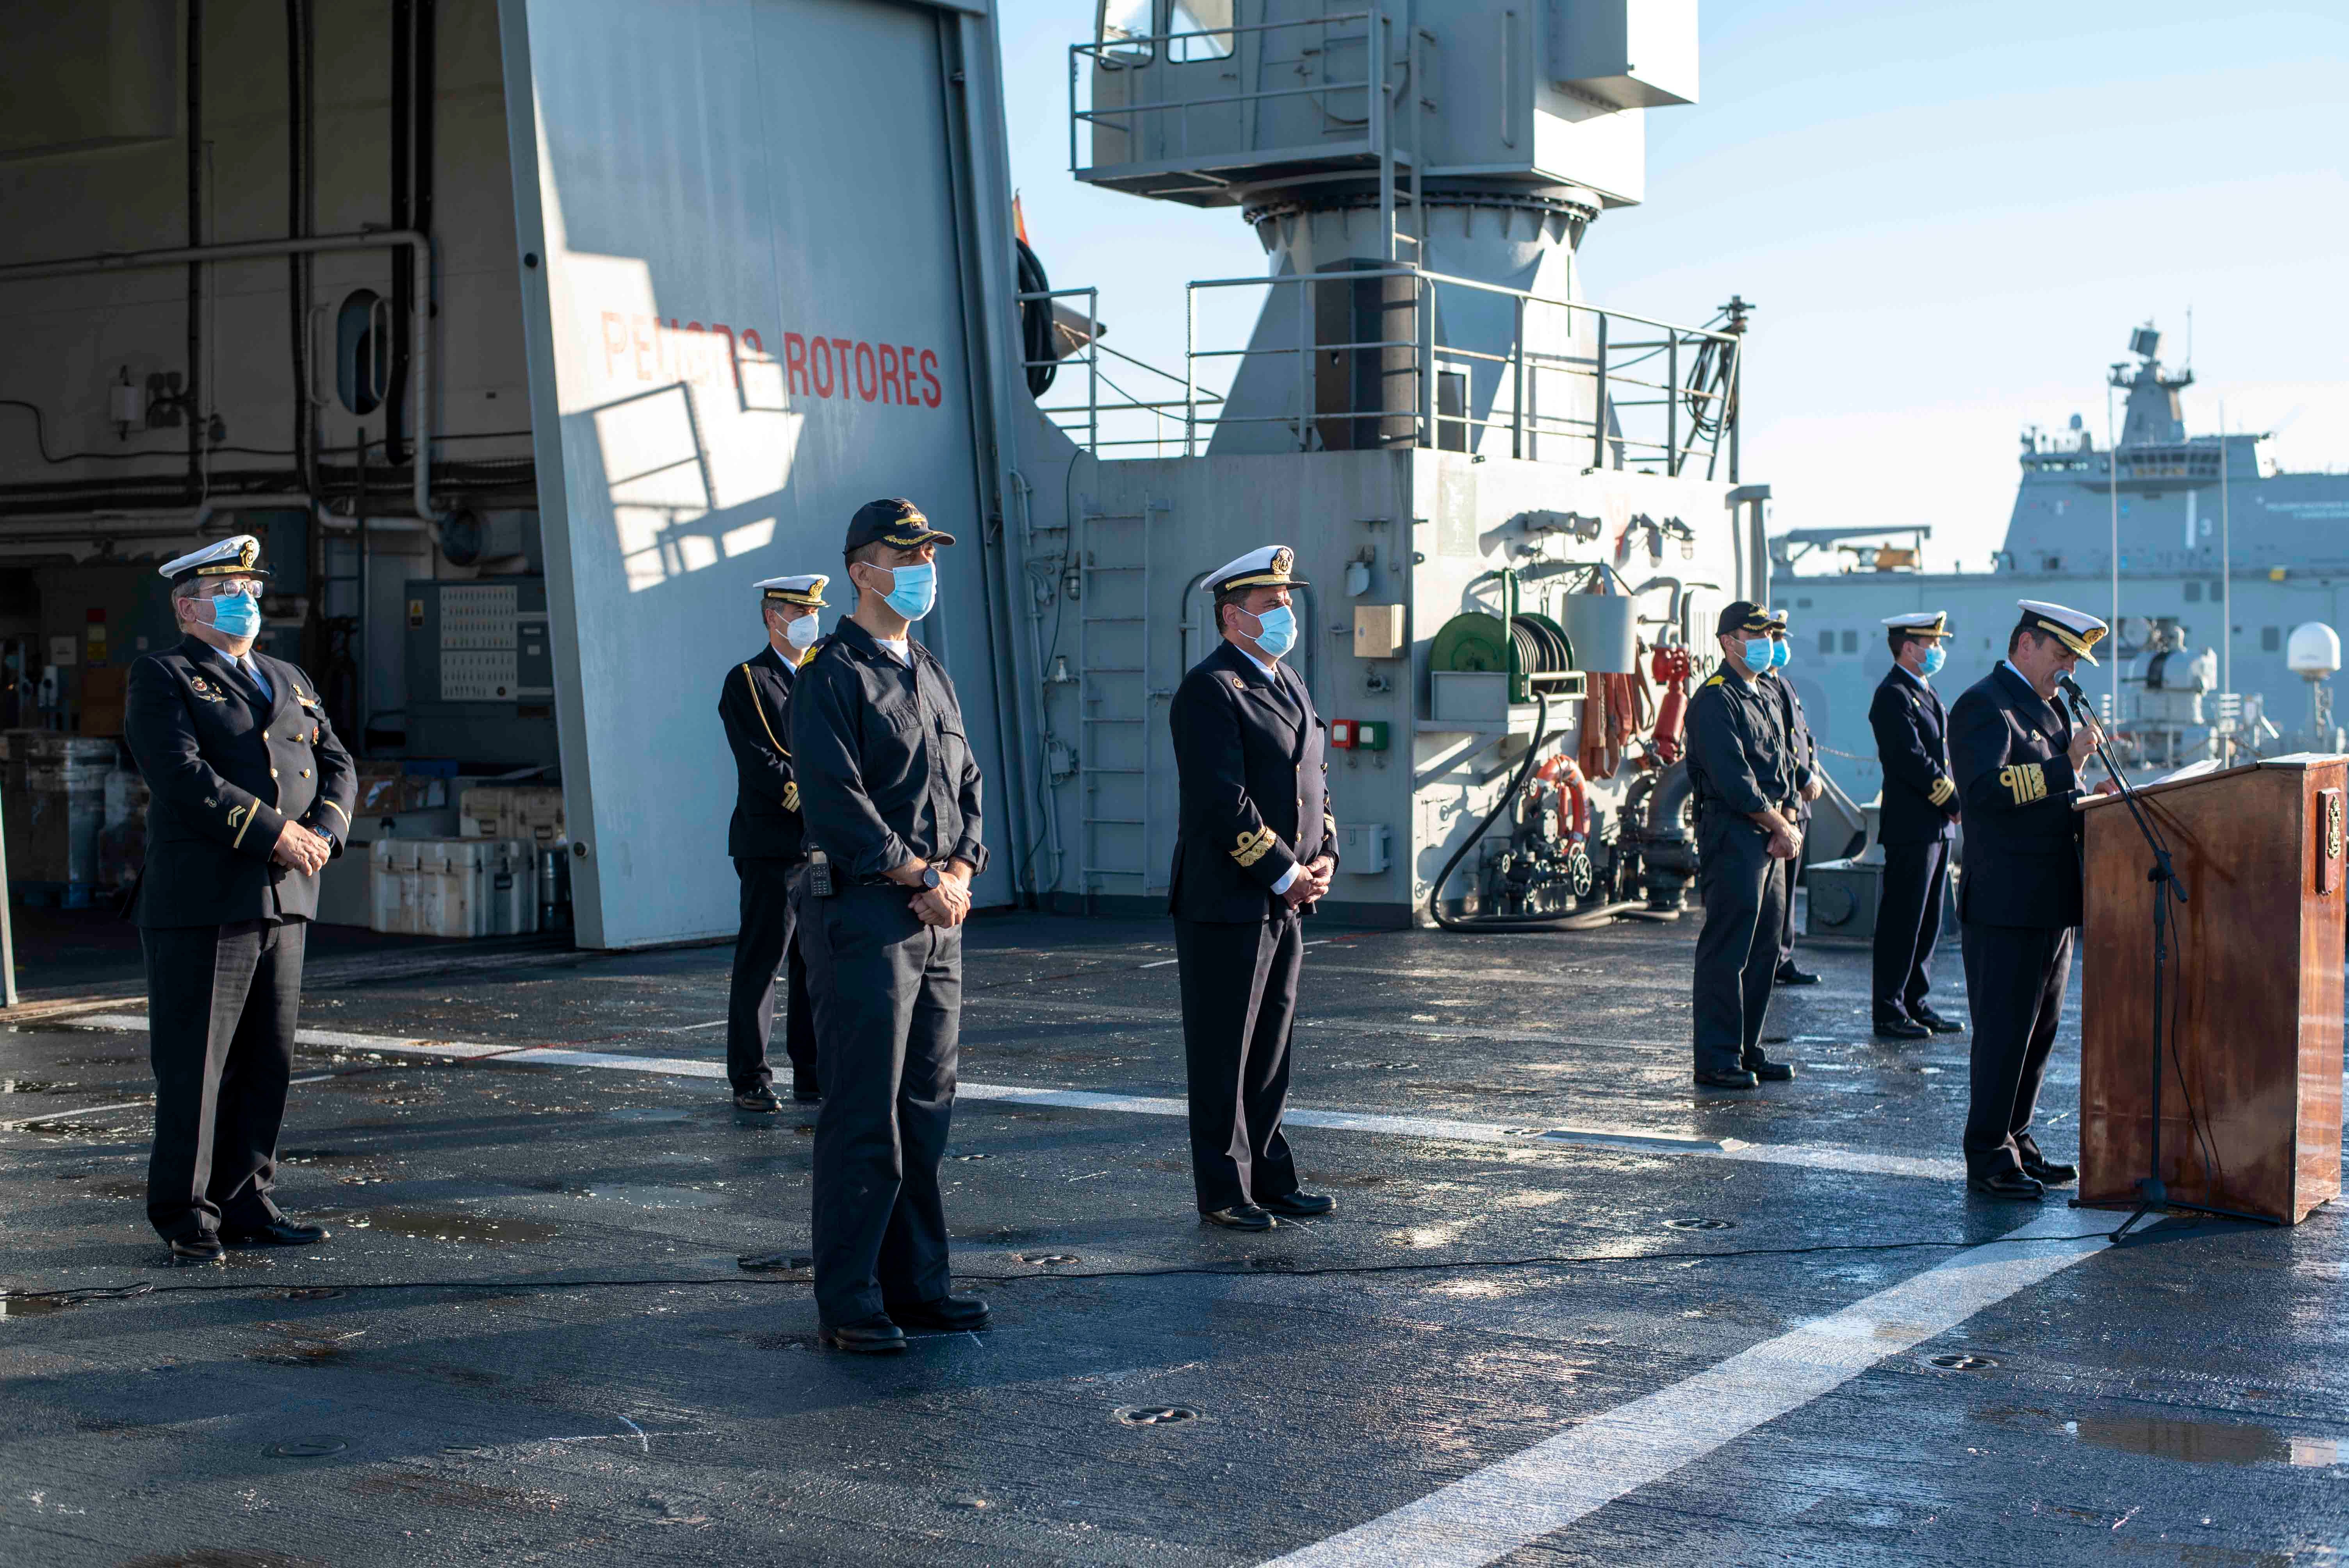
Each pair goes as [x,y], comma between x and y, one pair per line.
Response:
[2193,591]
[1122,28]
[1451,411]
[1826,642]
[2271,639]
[362,369]
[2218,592]
[1851,642]
[1206,16]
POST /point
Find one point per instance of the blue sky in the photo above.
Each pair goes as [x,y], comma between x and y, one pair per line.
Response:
[1951,215]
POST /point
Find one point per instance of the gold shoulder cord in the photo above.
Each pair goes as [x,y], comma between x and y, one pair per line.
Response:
[760,709]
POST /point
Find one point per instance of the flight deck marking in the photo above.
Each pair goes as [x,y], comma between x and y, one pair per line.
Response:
[1624,1139]
[1486,1515]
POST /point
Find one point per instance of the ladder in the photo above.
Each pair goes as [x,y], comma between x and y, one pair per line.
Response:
[1112,567]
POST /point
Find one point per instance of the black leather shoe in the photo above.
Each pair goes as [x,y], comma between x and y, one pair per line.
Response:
[806,1092]
[1238,1217]
[1771,1072]
[1901,1029]
[2048,1174]
[2008,1184]
[1788,975]
[761,1098]
[1298,1205]
[877,1336]
[1935,1022]
[190,1250]
[947,1313]
[279,1231]
[1737,1079]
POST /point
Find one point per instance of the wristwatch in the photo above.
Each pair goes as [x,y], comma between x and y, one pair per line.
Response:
[930,878]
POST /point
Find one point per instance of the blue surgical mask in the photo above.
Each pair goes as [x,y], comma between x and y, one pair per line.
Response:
[1276,631]
[1780,653]
[236,615]
[916,590]
[1935,658]
[1758,655]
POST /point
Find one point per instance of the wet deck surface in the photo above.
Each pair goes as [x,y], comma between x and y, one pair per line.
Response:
[2186,1401]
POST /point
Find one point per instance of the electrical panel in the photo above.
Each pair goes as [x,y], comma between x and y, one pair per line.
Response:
[480,671]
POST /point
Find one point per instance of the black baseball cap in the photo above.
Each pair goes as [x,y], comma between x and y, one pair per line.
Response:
[899,524]
[1744,618]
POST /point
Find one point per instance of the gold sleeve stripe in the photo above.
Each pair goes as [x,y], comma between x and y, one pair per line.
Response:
[2026,781]
[1253,846]
[1942,792]
[760,709]
[791,796]
[337,811]
[242,817]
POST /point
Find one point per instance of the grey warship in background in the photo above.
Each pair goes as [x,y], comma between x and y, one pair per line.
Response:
[2211,535]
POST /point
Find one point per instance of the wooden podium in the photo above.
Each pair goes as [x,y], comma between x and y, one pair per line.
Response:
[2253,987]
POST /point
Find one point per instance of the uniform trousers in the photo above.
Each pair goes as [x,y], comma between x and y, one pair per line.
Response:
[1239,1009]
[1908,924]
[1786,904]
[887,993]
[764,942]
[220,1006]
[1744,893]
[2016,976]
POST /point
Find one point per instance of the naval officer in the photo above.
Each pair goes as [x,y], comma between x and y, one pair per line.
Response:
[1809,788]
[889,793]
[1255,849]
[251,795]
[2016,757]
[1918,815]
[1744,772]
[768,842]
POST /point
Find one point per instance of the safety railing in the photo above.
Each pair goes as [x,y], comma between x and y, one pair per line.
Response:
[1111,419]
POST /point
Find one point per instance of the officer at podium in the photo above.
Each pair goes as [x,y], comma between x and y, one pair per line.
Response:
[252,795]
[2016,758]
[768,842]
[1744,772]
[1918,815]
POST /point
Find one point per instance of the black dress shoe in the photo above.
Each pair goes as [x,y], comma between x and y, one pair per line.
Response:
[279,1231]
[1788,975]
[1737,1079]
[190,1250]
[806,1092]
[1238,1217]
[1935,1022]
[874,1336]
[761,1098]
[1298,1205]
[947,1313]
[2008,1184]
[1771,1072]
[2048,1174]
[1901,1029]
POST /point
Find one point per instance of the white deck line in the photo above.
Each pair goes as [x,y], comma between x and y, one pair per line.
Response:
[1507,1506]
[1817,1157]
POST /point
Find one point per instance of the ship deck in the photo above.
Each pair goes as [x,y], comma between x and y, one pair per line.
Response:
[1568,1311]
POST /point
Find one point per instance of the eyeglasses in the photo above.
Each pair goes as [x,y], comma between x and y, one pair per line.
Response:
[222,587]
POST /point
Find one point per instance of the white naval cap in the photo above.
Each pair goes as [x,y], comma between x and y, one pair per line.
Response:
[1920,623]
[233,556]
[806,590]
[1266,568]
[2075,629]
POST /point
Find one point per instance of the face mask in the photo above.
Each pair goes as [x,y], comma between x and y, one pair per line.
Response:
[236,615]
[1934,659]
[916,593]
[1758,655]
[801,633]
[1276,631]
[1780,653]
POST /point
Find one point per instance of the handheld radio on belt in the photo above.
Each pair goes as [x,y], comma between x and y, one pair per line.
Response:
[819,874]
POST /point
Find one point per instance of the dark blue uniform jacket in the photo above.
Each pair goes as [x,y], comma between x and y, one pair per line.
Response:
[756,708]
[2016,782]
[1248,749]
[227,770]
[1912,742]
[1740,758]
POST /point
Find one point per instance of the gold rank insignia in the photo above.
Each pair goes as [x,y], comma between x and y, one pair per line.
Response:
[1252,846]
[791,796]
[1942,793]
[203,688]
[2026,781]
[1238,684]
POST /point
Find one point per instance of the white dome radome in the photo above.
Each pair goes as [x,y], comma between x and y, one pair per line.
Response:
[2314,650]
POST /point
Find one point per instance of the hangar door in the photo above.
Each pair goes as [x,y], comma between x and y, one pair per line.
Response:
[750,323]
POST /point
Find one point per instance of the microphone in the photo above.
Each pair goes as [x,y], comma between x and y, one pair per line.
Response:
[2076,696]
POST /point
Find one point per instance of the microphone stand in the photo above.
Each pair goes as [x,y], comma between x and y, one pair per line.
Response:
[2153,1193]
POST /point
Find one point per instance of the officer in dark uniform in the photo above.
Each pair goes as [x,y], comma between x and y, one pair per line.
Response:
[890,794]
[2017,762]
[1744,770]
[1255,847]
[1918,815]
[768,842]
[251,795]
[1809,788]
